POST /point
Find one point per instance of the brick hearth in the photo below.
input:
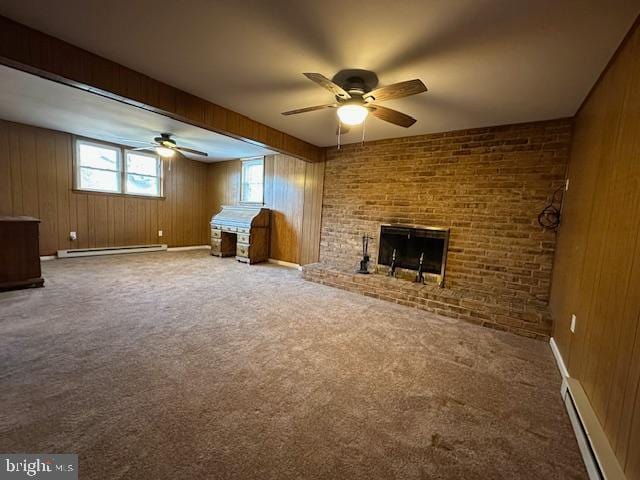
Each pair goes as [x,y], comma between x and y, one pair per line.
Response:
[529,319]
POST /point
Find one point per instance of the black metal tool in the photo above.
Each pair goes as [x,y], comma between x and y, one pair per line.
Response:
[364,263]
[420,275]
[392,267]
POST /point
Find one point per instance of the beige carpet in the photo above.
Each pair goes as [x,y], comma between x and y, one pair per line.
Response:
[182,365]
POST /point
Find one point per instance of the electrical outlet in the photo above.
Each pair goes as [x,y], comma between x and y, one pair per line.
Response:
[159,233]
[73,236]
[573,323]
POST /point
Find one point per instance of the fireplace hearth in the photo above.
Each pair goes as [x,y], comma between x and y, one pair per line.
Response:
[409,244]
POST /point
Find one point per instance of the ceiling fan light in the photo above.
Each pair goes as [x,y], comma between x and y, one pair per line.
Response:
[165,152]
[352,114]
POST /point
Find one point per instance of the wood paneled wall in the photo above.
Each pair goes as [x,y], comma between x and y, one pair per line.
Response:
[36,179]
[293,192]
[33,51]
[597,265]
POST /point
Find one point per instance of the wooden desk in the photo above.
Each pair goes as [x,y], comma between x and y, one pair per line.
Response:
[242,231]
[19,253]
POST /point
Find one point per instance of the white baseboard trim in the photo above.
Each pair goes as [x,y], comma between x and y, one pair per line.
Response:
[193,247]
[559,360]
[282,263]
[45,258]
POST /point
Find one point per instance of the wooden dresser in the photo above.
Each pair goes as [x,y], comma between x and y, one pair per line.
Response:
[19,253]
[242,231]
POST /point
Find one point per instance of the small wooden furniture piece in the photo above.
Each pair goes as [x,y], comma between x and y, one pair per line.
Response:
[243,231]
[19,253]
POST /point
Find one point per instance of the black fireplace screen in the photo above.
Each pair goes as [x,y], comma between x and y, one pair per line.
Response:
[409,243]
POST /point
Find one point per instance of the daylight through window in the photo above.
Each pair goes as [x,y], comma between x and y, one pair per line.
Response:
[100,168]
[252,190]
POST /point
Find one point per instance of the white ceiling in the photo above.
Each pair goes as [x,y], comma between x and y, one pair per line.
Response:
[32,100]
[485,62]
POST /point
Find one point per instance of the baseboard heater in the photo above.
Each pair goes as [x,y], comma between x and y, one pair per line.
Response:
[89,252]
[599,458]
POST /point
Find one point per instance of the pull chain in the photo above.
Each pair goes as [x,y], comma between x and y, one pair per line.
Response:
[364,122]
[339,132]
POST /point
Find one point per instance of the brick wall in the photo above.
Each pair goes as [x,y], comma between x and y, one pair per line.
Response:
[486,184]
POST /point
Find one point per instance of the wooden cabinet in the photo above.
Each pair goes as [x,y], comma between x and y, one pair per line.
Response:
[242,231]
[19,253]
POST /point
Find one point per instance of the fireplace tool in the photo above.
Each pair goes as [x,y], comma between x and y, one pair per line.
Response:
[420,276]
[364,263]
[392,267]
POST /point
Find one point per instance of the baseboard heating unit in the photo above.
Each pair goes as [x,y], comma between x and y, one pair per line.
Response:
[89,252]
[599,459]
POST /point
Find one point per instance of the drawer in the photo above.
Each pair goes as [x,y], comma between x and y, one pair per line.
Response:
[243,238]
[229,229]
[216,243]
[242,250]
[243,230]
[216,233]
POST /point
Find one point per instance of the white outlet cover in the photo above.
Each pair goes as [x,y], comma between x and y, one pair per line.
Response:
[573,323]
[159,233]
[73,235]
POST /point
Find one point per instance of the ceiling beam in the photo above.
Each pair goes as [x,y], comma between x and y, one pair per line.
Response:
[35,52]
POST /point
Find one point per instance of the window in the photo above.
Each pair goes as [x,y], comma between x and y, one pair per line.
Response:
[99,168]
[142,174]
[252,188]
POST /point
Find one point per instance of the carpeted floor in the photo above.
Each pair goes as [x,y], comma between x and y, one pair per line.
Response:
[181,365]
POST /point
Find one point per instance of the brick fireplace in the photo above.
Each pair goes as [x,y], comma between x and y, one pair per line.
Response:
[485,185]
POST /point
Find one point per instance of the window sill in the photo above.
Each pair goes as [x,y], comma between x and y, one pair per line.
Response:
[114,194]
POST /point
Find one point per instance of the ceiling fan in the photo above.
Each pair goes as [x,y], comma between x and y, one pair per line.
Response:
[166,147]
[355,98]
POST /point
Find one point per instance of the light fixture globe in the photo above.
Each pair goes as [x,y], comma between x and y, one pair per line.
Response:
[352,114]
[165,152]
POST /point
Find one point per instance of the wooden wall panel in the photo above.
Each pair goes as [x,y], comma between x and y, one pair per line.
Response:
[6,200]
[293,192]
[311,220]
[597,265]
[33,51]
[223,185]
[284,195]
[36,180]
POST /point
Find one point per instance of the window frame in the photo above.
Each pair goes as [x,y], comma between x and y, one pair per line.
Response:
[78,166]
[245,161]
[159,172]
[122,152]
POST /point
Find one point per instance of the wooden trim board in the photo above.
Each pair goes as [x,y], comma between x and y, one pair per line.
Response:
[32,51]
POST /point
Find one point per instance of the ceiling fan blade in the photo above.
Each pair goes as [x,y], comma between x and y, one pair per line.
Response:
[150,147]
[189,150]
[127,141]
[396,90]
[310,109]
[324,82]
[392,116]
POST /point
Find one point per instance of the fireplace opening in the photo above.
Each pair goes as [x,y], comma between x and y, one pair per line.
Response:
[411,242]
